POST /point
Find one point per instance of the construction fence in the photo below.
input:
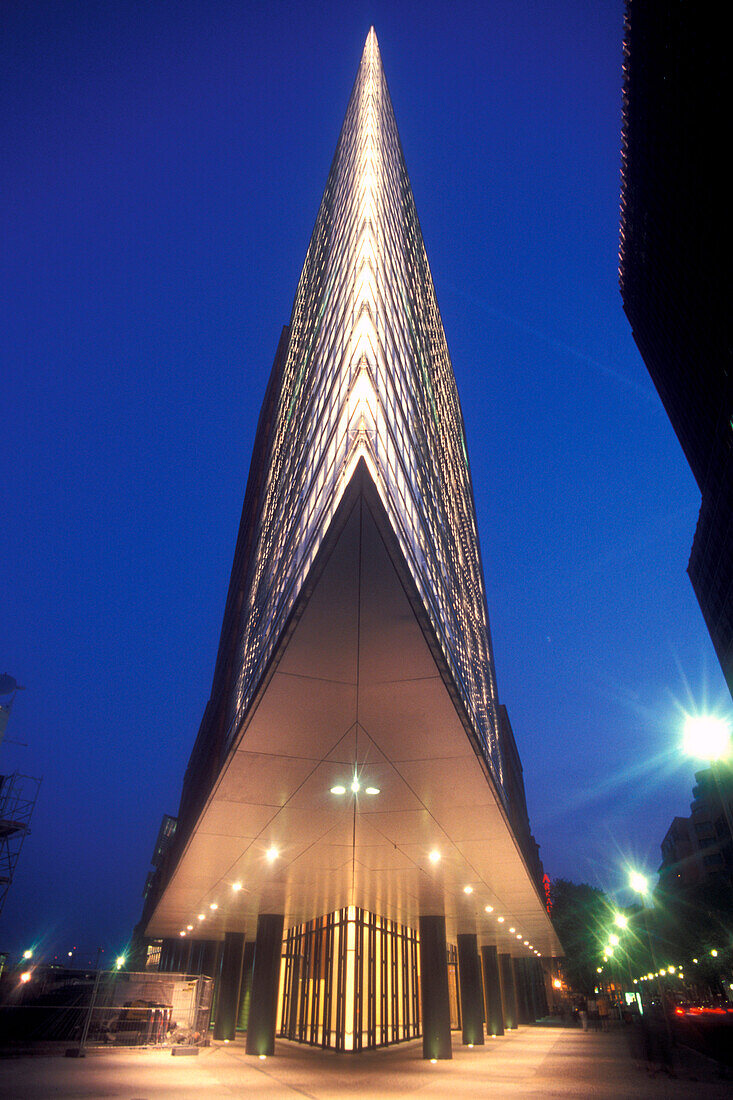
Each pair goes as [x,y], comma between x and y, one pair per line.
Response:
[105,1008]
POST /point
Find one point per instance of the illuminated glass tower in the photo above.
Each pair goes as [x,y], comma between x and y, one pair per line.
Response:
[354,771]
[367,374]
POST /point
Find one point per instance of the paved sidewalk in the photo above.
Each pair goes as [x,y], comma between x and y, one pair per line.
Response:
[529,1062]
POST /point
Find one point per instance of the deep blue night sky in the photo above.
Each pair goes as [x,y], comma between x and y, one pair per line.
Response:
[161,165]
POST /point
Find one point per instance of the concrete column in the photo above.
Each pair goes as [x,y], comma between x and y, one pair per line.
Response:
[209,958]
[245,993]
[469,980]
[524,1014]
[230,978]
[508,992]
[265,984]
[538,988]
[167,950]
[532,992]
[492,991]
[434,989]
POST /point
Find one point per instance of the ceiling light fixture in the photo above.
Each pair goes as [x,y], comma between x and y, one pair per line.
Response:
[272,854]
[236,887]
[372,790]
[338,789]
[489,909]
[434,856]
[468,889]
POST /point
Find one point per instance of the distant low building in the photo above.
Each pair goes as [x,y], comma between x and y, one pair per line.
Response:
[699,848]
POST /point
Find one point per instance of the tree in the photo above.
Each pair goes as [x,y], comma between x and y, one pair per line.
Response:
[581,915]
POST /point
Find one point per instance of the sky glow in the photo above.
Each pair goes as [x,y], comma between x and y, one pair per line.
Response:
[165,165]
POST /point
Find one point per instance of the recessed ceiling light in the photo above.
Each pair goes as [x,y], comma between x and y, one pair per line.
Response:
[236,886]
[519,935]
[372,790]
[512,929]
[500,920]
[434,856]
[181,933]
[272,854]
[489,909]
[338,789]
[213,905]
[526,943]
[355,785]
[202,916]
[189,927]
[468,889]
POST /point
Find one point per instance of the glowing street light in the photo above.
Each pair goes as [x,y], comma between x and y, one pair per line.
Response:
[621,920]
[639,883]
[709,737]
[706,736]
[120,961]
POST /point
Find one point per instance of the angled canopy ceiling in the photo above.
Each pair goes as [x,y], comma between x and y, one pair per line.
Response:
[356,696]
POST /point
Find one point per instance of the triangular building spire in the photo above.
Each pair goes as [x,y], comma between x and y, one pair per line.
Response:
[366,374]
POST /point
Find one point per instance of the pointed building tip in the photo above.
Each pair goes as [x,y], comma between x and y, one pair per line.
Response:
[371,41]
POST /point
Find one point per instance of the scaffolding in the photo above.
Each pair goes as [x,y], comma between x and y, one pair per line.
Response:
[18,794]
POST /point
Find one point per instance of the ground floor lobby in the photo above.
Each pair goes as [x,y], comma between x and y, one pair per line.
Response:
[527,1062]
[352,982]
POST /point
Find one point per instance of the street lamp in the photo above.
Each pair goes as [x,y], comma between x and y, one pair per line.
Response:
[640,884]
[709,738]
[706,736]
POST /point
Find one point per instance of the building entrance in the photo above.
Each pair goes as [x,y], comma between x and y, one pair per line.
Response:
[350,981]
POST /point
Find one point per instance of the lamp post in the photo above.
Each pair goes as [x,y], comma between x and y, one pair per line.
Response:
[640,885]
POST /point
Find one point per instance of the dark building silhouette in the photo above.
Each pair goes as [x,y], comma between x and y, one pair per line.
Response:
[353,830]
[699,848]
[675,263]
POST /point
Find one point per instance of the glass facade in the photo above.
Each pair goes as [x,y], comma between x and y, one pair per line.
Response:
[367,374]
[349,981]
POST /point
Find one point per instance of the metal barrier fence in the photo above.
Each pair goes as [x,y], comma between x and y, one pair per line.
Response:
[105,1008]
